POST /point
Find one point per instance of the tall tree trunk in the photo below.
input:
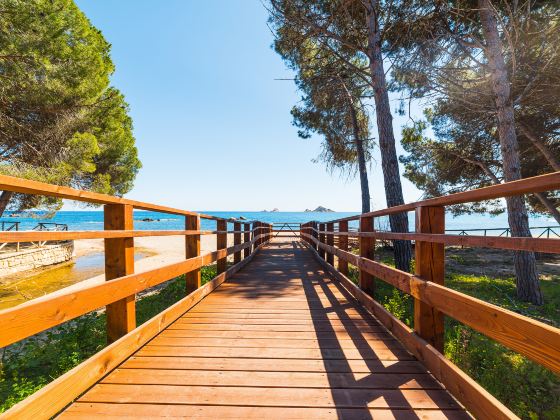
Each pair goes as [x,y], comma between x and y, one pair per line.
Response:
[362,164]
[5,200]
[389,161]
[527,278]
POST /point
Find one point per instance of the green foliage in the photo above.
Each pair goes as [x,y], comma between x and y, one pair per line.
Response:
[27,366]
[450,70]
[61,122]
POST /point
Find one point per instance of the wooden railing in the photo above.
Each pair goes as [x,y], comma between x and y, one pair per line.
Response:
[432,300]
[118,293]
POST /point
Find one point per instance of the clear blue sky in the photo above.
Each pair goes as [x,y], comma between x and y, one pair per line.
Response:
[212,126]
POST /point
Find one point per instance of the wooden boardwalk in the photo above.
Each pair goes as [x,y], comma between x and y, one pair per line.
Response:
[280,339]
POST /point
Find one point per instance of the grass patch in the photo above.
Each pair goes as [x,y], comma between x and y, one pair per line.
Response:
[30,364]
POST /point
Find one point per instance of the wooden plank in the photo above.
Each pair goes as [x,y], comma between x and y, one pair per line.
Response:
[367,250]
[192,249]
[287,335]
[358,366]
[383,344]
[119,262]
[221,243]
[288,305]
[322,252]
[430,266]
[246,238]
[327,316]
[475,398]
[275,353]
[35,236]
[279,397]
[56,395]
[546,245]
[149,411]
[330,241]
[267,326]
[247,322]
[343,245]
[269,379]
[237,241]
[321,316]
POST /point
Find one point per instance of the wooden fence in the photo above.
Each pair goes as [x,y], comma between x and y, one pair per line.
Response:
[118,293]
[432,300]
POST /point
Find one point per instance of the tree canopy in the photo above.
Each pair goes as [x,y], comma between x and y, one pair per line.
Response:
[60,120]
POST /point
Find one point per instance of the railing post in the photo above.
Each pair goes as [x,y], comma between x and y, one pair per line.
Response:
[330,242]
[237,241]
[192,249]
[254,235]
[430,266]
[315,235]
[221,243]
[322,252]
[367,250]
[343,245]
[119,261]
[256,232]
[246,238]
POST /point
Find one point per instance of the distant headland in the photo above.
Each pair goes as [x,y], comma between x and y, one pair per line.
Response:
[320,209]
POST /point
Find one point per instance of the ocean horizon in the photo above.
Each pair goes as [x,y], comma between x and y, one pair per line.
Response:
[93,219]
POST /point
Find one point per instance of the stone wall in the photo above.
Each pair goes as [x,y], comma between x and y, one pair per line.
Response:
[31,258]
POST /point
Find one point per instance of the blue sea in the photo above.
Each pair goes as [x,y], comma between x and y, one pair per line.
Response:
[93,220]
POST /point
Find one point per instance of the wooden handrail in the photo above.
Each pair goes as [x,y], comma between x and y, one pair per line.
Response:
[26,186]
[541,183]
[118,292]
[514,243]
[536,340]
[48,311]
[533,339]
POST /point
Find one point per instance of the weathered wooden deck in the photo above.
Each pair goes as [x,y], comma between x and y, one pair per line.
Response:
[280,339]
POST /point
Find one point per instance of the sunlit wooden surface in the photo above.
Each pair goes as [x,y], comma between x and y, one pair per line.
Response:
[280,339]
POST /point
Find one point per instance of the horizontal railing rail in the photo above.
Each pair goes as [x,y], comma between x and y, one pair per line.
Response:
[540,231]
[8,226]
[25,186]
[533,339]
[117,295]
